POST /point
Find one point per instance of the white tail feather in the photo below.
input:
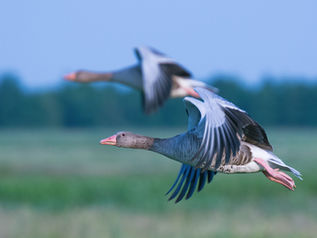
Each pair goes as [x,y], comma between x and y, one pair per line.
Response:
[275,162]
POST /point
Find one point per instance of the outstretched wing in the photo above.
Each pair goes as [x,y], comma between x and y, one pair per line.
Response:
[223,125]
[187,179]
[188,176]
[252,132]
[157,72]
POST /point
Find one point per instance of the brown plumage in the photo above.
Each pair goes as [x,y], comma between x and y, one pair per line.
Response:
[243,157]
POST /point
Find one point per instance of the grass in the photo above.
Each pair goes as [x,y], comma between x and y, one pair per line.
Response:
[58,184]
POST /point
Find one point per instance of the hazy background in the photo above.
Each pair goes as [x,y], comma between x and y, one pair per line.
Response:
[40,41]
[56,181]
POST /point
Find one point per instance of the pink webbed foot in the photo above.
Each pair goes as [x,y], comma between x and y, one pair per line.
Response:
[276,175]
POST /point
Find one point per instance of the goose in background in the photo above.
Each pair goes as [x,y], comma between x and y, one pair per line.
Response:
[220,138]
[157,76]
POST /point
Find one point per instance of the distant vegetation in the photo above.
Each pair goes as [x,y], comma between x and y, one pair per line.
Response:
[275,103]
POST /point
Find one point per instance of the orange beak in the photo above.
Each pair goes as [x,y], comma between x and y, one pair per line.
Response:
[70,77]
[112,140]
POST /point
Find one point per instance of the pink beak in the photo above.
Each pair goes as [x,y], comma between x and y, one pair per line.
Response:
[70,77]
[112,140]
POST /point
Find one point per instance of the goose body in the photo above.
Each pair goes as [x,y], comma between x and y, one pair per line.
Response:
[157,76]
[220,138]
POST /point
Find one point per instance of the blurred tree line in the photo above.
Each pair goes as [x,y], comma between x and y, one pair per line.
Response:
[282,103]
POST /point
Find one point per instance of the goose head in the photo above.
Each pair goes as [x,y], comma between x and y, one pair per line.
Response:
[128,140]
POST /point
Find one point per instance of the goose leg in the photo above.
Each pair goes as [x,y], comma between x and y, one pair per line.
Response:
[276,175]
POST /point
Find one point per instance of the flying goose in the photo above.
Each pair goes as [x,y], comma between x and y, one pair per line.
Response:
[220,138]
[157,76]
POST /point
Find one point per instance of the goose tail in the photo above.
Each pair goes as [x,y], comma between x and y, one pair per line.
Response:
[276,162]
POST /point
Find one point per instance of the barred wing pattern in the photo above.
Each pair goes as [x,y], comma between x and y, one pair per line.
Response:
[221,132]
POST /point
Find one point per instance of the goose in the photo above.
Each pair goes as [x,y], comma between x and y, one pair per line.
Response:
[157,76]
[221,138]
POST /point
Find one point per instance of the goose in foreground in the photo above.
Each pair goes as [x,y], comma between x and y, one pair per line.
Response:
[220,138]
[157,76]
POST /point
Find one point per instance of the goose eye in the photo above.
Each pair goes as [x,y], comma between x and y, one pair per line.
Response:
[123,134]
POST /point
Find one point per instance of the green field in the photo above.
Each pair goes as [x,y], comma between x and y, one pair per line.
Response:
[63,184]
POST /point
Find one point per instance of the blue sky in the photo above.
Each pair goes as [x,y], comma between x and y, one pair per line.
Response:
[42,40]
